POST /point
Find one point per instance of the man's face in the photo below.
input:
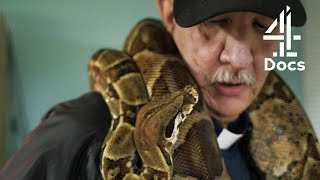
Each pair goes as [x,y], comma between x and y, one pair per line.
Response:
[226,57]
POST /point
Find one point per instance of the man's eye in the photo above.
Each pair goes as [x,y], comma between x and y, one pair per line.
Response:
[260,26]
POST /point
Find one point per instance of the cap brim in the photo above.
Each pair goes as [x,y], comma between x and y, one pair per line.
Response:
[188,13]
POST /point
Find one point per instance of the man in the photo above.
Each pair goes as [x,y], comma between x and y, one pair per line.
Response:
[222,44]
[220,41]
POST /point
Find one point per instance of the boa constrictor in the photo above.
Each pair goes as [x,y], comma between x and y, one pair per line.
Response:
[160,131]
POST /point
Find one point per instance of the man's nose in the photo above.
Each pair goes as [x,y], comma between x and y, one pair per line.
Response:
[237,53]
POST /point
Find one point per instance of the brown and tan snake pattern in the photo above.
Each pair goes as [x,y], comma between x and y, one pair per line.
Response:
[160,127]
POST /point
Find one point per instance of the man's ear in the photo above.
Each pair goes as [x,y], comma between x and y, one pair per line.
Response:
[165,8]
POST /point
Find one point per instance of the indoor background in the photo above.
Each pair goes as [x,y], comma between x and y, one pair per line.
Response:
[49,44]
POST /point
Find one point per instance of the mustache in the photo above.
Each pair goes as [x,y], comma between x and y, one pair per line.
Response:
[234,77]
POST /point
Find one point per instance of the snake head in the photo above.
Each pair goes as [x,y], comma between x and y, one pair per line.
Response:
[185,103]
[157,123]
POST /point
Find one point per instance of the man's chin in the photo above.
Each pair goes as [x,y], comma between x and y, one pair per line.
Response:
[228,106]
[228,110]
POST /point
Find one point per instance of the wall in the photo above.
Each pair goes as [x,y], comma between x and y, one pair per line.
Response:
[3,90]
[312,57]
[51,43]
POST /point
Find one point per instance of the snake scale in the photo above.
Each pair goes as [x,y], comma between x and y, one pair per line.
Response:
[160,127]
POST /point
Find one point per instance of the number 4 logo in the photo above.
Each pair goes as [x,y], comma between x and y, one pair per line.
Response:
[281,65]
[288,32]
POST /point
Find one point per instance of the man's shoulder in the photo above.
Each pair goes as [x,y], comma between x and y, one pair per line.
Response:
[75,123]
[88,110]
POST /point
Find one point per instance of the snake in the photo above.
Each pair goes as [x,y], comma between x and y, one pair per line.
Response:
[161,128]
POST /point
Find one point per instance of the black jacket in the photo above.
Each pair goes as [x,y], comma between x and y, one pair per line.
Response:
[65,145]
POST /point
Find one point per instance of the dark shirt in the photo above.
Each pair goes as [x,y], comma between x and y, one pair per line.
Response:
[237,158]
[234,159]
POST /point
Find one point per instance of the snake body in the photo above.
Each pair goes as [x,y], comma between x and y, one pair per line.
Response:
[160,126]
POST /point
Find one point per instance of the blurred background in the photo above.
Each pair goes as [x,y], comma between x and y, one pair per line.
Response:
[45,47]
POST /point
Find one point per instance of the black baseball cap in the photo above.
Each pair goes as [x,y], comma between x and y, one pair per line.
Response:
[191,12]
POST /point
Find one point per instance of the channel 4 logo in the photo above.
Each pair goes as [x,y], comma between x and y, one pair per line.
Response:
[284,51]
